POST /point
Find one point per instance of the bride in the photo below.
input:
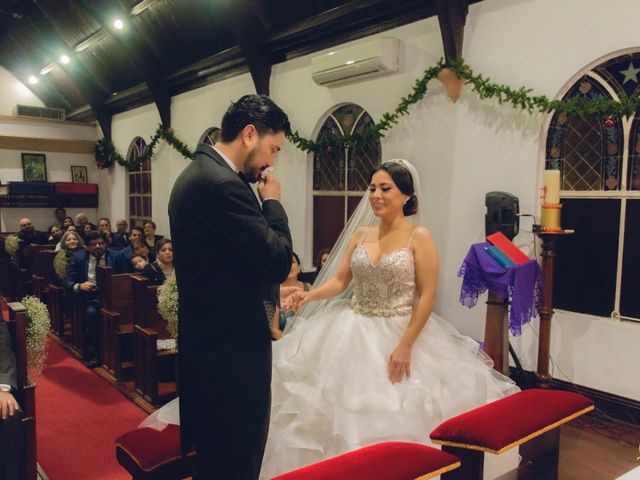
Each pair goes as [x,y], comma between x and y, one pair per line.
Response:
[365,359]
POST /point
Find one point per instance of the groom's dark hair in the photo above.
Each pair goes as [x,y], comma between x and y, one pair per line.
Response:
[257,110]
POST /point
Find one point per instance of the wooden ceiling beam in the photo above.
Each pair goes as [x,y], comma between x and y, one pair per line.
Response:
[139,56]
[452,15]
[249,32]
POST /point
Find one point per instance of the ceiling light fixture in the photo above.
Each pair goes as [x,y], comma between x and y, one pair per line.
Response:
[33,79]
[65,59]
[118,24]
[47,69]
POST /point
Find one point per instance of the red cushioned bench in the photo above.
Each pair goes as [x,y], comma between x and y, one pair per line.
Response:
[151,454]
[382,461]
[528,419]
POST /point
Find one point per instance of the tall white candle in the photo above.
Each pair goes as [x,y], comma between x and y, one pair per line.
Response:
[551,186]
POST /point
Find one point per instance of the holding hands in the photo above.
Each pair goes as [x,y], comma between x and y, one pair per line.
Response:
[296,300]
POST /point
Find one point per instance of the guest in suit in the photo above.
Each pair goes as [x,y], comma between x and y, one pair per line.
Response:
[104,226]
[11,427]
[149,270]
[225,378]
[60,214]
[28,234]
[120,239]
[81,281]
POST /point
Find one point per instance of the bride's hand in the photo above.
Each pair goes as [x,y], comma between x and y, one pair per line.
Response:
[399,365]
[295,300]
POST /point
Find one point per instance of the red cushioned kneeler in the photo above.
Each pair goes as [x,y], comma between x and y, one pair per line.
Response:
[150,454]
[528,419]
[382,461]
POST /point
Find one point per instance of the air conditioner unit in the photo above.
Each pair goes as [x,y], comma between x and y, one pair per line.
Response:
[40,112]
[372,58]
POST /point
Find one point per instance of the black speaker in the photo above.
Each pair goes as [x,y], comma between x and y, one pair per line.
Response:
[502,214]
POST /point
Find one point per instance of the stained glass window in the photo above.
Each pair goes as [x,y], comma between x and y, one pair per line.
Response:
[340,175]
[599,160]
[139,184]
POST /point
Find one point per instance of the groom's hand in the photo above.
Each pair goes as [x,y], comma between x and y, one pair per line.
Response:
[269,187]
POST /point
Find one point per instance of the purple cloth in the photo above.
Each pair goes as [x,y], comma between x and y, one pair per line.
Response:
[521,284]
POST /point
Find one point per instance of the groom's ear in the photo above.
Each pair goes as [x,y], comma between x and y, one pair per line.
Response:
[250,135]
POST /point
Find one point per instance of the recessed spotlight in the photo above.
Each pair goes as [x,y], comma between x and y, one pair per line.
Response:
[118,24]
[33,79]
[65,59]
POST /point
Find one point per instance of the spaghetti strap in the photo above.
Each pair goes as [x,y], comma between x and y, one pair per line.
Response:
[365,237]
[412,234]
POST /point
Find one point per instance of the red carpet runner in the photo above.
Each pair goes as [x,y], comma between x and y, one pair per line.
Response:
[78,418]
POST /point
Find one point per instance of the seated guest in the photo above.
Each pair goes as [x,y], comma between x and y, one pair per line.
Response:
[88,227]
[104,226]
[150,237]
[60,214]
[70,242]
[68,222]
[124,256]
[81,219]
[81,281]
[120,239]
[164,258]
[310,277]
[55,234]
[28,234]
[140,264]
[11,427]
[291,283]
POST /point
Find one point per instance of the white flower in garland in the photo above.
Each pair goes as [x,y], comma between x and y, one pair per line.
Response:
[168,305]
[37,328]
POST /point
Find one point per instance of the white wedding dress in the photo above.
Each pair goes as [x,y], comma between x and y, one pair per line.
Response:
[330,389]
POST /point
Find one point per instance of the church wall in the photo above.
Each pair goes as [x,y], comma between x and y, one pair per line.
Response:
[461,150]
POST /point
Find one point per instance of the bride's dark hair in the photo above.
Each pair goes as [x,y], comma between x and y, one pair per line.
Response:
[404,181]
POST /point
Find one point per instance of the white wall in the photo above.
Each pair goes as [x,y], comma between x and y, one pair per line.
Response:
[14,93]
[461,150]
[58,168]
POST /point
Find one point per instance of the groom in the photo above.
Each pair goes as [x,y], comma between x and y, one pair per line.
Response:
[227,248]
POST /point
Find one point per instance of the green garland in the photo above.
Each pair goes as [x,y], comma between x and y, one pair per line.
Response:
[37,328]
[520,99]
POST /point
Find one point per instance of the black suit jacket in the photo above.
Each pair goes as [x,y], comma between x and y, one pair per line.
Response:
[8,374]
[224,338]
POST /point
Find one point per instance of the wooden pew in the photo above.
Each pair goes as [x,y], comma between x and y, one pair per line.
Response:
[56,304]
[116,307]
[154,370]
[42,273]
[6,287]
[26,388]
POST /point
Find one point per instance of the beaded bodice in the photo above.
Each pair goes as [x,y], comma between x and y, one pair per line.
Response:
[386,288]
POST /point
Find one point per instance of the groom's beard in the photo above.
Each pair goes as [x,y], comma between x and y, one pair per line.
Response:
[251,169]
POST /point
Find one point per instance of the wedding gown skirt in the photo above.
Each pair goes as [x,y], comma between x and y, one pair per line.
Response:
[331,392]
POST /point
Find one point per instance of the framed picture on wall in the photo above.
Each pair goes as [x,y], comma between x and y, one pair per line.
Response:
[78,174]
[34,167]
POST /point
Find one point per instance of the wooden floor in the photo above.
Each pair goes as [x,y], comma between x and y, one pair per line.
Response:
[595,447]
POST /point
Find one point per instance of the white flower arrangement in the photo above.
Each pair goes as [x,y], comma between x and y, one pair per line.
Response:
[37,328]
[61,262]
[11,245]
[168,305]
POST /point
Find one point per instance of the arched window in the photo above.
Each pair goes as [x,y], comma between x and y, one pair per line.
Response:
[340,176]
[211,136]
[139,184]
[598,269]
